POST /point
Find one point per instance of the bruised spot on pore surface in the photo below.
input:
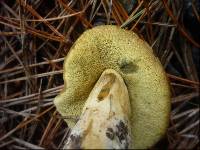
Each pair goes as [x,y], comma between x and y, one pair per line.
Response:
[127,66]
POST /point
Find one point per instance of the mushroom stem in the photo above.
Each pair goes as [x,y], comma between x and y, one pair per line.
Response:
[104,122]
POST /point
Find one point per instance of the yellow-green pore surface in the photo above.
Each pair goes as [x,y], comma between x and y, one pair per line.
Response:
[106,47]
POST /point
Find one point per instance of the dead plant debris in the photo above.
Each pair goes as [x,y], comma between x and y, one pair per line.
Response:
[36,35]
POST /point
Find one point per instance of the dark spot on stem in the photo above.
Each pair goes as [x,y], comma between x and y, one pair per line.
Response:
[73,142]
[122,133]
[110,133]
[106,88]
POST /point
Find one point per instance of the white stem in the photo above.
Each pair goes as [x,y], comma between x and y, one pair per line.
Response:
[104,122]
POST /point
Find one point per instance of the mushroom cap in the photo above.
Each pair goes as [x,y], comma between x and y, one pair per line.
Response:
[108,46]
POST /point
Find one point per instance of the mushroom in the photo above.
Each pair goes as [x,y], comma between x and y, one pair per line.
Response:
[105,119]
[127,56]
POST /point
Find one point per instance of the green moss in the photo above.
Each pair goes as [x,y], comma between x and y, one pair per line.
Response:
[105,47]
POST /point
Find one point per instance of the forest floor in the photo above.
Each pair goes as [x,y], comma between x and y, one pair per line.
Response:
[36,35]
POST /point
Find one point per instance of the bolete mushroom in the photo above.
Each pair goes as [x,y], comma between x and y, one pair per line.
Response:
[105,119]
[129,57]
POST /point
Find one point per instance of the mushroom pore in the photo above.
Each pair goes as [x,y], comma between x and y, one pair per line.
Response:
[110,47]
